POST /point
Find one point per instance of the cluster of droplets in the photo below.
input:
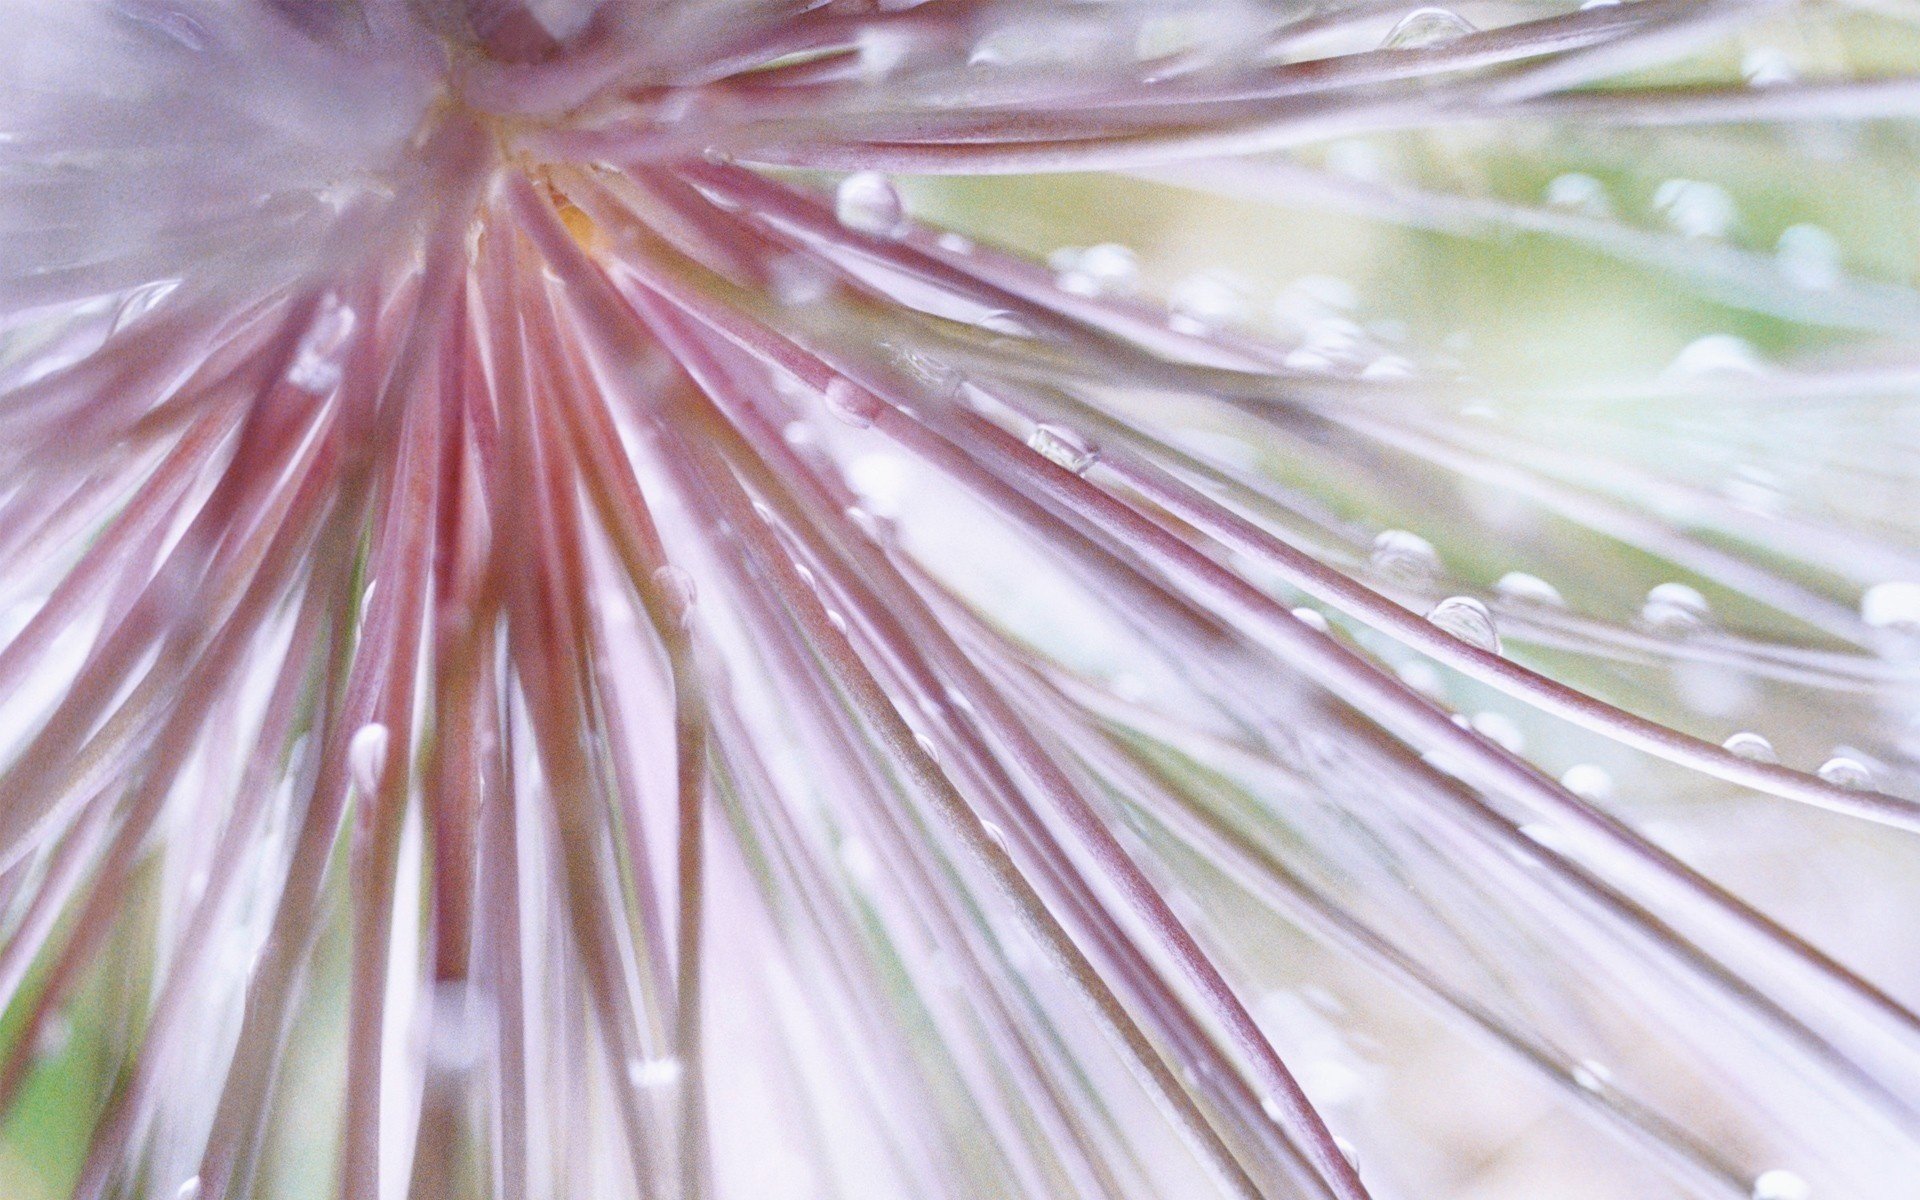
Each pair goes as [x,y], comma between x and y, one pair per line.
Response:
[319,361]
[1106,269]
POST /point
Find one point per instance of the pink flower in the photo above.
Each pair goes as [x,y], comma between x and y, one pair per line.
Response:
[559,639]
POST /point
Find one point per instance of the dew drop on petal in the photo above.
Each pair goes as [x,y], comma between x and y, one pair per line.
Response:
[654,1073]
[995,834]
[1519,587]
[1579,193]
[1894,604]
[1403,556]
[851,403]
[868,202]
[1312,618]
[190,1190]
[1592,1076]
[318,363]
[1588,781]
[1781,1184]
[1063,448]
[1768,66]
[1468,620]
[678,589]
[1717,354]
[1425,28]
[1675,608]
[1499,729]
[1809,256]
[1205,301]
[1348,1151]
[1106,269]
[1695,208]
[367,757]
[1751,746]
[1846,771]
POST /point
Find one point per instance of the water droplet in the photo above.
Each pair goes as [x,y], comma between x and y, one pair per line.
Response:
[1404,557]
[1588,781]
[1695,208]
[1894,604]
[1781,1184]
[868,202]
[1717,354]
[954,243]
[1768,66]
[1675,608]
[1809,256]
[1348,1151]
[190,1190]
[1101,270]
[1426,28]
[1518,587]
[1468,620]
[1846,771]
[319,362]
[1312,618]
[653,1073]
[367,757]
[1063,448]
[1388,366]
[851,403]
[1579,193]
[678,589]
[797,281]
[1206,301]
[1592,1076]
[1499,729]
[995,834]
[927,747]
[1751,746]
[1271,1107]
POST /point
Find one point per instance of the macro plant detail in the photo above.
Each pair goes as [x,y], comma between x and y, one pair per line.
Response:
[584,613]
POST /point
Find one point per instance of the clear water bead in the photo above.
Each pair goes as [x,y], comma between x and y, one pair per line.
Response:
[1403,556]
[1675,608]
[190,1190]
[1579,193]
[1715,355]
[678,589]
[1781,1184]
[653,1073]
[1426,28]
[1522,588]
[1846,771]
[319,363]
[1768,66]
[1468,620]
[1892,605]
[1809,256]
[1751,746]
[1312,618]
[367,757]
[1695,208]
[1063,448]
[1588,781]
[868,202]
[851,403]
[1101,270]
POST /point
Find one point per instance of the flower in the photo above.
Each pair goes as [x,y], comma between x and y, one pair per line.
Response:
[562,640]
